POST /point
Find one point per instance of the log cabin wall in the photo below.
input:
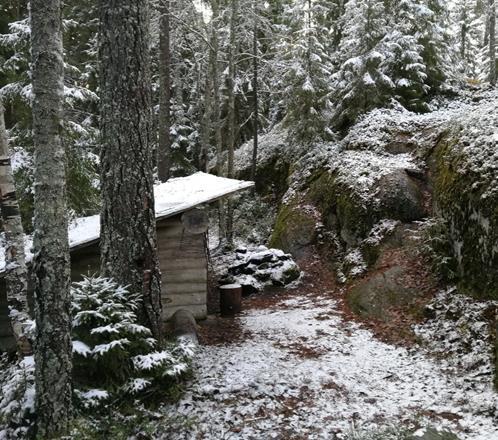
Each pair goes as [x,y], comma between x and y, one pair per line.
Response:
[183,261]
[184,266]
[7,341]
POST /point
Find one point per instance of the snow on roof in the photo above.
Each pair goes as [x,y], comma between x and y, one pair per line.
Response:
[171,198]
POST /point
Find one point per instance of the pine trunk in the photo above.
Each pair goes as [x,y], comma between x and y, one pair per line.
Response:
[492,42]
[207,109]
[216,88]
[53,346]
[128,227]
[231,115]
[255,91]
[164,150]
[16,276]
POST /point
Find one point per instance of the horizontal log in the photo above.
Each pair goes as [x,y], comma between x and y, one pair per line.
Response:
[172,232]
[169,221]
[164,258]
[183,264]
[179,279]
[171,300]
[199,312]
[179,288]
[197,273]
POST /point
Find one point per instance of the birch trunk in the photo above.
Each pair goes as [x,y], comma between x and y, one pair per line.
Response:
[16,276]
[164,150]
[53,346]
[492,42]
[128,226]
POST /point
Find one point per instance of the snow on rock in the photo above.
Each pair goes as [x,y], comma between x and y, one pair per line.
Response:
[256,268]
[307,373]
[271,145]
[171,198]
[460,332]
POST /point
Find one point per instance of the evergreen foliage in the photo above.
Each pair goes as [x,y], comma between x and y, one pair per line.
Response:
[113,354]
[114,357]
[306,68]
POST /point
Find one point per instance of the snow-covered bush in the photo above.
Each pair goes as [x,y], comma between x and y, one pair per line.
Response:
[113,353]
[17,396]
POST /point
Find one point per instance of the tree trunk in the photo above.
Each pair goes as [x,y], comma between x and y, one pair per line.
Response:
[213,59]
[53,348]
[463,36]
[207,109]
[164,150]
[255,91]
[128,226]
[231,115]
[216,88]
[492,42]
[16,276]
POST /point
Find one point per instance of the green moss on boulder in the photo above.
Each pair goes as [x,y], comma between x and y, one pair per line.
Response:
[467,200]
[294,230]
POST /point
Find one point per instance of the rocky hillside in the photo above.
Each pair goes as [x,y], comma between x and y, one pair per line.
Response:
[401,206]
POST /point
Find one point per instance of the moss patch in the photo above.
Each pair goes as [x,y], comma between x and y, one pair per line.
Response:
[295,229]
[464,201]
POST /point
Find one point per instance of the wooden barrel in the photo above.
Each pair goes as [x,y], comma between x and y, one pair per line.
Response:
[230,299]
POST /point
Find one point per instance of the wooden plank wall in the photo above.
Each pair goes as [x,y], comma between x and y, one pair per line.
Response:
[183,261]
[7,341]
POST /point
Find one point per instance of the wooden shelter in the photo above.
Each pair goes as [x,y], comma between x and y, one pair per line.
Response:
[182,228]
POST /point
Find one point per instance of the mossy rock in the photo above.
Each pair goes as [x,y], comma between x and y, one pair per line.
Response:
[375,295]
[341,209]
[401,197]
[469,205]
[434,434]
[271,177]
[294,231]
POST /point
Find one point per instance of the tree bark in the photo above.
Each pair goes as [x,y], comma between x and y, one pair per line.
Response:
[53,348]
[492,42]
[255,91]
[128,226]
[231,114]
[213,59]
[207,111]
[16,276]
[216,88]
[164,150]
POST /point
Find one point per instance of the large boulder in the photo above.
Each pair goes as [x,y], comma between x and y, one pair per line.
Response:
[398,279]
[465,180]
[432,434]
[348,197]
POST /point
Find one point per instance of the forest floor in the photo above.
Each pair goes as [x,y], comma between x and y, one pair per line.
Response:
[295,365]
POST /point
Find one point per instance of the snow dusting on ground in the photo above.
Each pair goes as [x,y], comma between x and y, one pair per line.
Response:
[307,373]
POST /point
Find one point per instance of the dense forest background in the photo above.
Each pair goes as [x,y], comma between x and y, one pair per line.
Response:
[315,66]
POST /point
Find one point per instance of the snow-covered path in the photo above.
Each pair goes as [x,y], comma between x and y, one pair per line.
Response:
[305,373]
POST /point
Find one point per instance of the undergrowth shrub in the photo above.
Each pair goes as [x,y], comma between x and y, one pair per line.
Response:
[117,364]
[114,356]
[17,396]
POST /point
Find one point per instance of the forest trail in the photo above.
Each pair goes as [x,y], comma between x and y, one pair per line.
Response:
[295,367]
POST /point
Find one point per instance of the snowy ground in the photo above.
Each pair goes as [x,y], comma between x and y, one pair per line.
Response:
[306,373]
